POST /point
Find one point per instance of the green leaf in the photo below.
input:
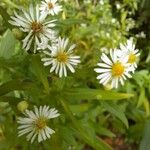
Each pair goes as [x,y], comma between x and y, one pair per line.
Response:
[11,100]
[80,108]
[145,144]
[95,142]
[39,71]
[91,94]
[5,16]
[141,97]
[68,135]
[7,45]
[101,130]
[117,111]
[15,85]
[146,106]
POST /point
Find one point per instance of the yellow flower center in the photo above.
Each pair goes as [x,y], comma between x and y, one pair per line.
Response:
[50,5]
[40,123]
[62,57]
[36,27]
[132,58]
[117,69]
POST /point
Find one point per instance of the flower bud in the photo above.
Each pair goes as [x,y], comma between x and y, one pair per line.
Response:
[63,15]
[108,87]
[22,106]
[17,33]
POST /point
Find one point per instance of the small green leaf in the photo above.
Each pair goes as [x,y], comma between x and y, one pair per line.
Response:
[146,106]
[101,130]
[116,110]
[7,45]
[141,97]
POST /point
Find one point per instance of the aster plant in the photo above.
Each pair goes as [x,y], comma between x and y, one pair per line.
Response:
[72,76]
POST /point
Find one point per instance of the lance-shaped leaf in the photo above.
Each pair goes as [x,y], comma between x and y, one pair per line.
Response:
[91,94]
[116,111]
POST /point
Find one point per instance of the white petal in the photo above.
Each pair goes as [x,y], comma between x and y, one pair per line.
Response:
[61,70]
[70,67]
[100,70]
[106,59]
[39,137]
[103,65]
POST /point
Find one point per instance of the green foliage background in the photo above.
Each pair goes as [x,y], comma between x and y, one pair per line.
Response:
[90,114]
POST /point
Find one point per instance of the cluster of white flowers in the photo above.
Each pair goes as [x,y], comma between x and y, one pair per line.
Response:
[39,32]
[59,54]
[119,65]
[41,37]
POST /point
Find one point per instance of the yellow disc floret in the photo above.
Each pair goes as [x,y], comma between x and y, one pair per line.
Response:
[40,123]
[132,58]
[50,5]
[62,57]
[117,69]
[36,27]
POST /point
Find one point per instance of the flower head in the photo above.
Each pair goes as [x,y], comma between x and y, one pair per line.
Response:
[128,50]
[34,24]
[34,124]
[61,57]
[50,7]
[113,70]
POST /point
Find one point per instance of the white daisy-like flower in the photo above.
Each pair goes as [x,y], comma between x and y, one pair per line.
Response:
[50,7]
[34,24]
[34,124]
[61,57]
[128,50]
[113,70]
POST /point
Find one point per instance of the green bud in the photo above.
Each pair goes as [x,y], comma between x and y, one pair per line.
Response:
[17,33]
[108,87]
[22,106]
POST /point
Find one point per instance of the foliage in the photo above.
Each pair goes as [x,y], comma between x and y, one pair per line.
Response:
[90,113]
